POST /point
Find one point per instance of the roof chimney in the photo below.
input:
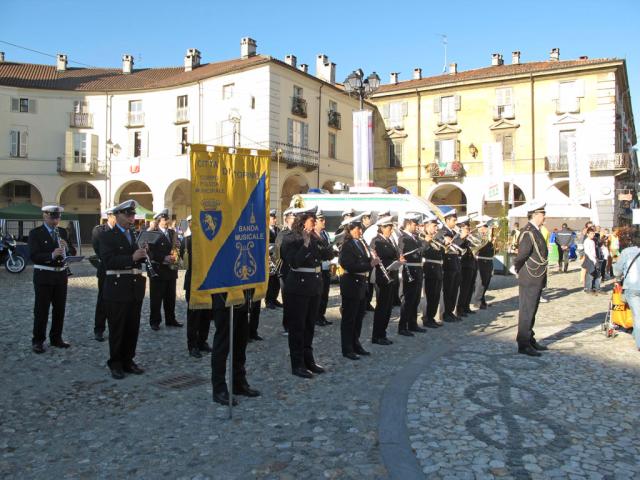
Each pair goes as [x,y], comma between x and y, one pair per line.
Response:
[127,63]
[291,60]
[496,59]
[417,73]
[1,57]
[61,62]
[304,67]
[247,47]
[325,69]
[582,57]
[191,59]
[453,68]
[515,57]
[554,56]
[394,78]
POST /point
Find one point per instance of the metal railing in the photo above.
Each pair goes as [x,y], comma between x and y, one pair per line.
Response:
[293,155]
[75,164]
[335,119]
[299,106]
[449,170]
[182,115]
[81,120]
[135,119]
[597,162]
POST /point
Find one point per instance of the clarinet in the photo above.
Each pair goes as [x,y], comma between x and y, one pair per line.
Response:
[147,261]
[64,252]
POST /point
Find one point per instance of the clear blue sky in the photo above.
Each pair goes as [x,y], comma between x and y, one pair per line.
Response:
[374,35]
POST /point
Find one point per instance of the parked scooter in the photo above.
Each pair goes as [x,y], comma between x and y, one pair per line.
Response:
[13,261]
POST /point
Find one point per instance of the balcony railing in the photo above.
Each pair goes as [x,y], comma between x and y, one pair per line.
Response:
[447,170]
[182,115]
[81,120]
[135,119]
[503,111]
[299,106]
[335,120]
[294,156]
[597,162]
[75,164]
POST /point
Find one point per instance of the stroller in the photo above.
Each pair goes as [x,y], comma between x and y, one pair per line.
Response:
[618,314]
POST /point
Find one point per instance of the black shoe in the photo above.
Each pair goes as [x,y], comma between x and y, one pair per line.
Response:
[483,306]
[246,391]
[38,348]
[351,356]
[370,308]
[361,351]
[529,350]
[59,343]
[256,337]
[460,315]
[431,324]
[98,336]
[449,317]
[205,348]
[302,372]
[315,368]
[117,373]
[405,333]
[133,368]
[417,329]
[381,341]
[195,353]
[321,322]
[538,346]
[223,398]
[469,312]
[155,327]
[174,324]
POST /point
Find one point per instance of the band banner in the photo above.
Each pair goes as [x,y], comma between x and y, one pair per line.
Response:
[229,199]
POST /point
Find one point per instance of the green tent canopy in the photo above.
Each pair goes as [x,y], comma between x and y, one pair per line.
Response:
[143,214]
[28,211]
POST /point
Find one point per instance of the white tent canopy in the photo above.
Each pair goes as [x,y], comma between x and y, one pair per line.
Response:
[558,206]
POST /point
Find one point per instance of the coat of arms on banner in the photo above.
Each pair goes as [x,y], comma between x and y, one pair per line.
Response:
[210,221]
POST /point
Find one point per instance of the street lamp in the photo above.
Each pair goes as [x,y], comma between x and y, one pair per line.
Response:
[355,84]
[112,149]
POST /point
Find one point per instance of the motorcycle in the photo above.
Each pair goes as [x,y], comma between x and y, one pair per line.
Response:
[13,261]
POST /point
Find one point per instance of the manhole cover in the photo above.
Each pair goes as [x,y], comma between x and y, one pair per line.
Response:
[181,382]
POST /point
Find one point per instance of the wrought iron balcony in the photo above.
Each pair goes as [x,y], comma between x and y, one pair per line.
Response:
[504,111]
[81,165]
[597,162]
[299,106]
[446,170]
[294,156]
[335,120]
[135,119]
[182,115]
[81,120]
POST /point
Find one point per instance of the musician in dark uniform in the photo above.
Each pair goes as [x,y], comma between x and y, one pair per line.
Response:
[451,269]
[48,246]
[346,215]
[468,271]
[484,256]
[325,244]
[198,321]
[410,247]
[162,288]
[302,252]
[386,251]
[531,265]
[100,320]
[221,318]
[366,220]
[273,287]
[124,289]
[432,268]
[282,267]
[357,262]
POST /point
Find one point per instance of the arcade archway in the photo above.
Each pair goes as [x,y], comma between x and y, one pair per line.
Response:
[177,199]
[451,196]
[512,199]
[82,199]
[18,191]
[293,185]
[135,190]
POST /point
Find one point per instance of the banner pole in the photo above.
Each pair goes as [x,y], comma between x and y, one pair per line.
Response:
[231,362]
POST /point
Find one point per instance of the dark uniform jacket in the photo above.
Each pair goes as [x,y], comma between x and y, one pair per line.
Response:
[452,256]
[187,247]
[388,254]
[531,261]
[355,262]
[161,249]
[467,259]
[432,251]
[116,253]
[296,255]
[281,263]
[95,241]
[408,242]
[488,251]
[41,245]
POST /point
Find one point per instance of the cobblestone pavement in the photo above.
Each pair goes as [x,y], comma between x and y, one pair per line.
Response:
[476,410]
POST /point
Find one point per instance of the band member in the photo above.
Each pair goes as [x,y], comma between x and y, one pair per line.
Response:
[411,250]
[564,240]
[432,269]
[221,318]
[451,268]
[387,281]
[124,289]
[303,287]
[346,215]
[273,288]
[198,321]
[365,220]
[468,271]
[484,256]
[325,244]
[100,319]
[357,262]
[531,265]
[48,246]
[254,321]
[282,267]
[162,288]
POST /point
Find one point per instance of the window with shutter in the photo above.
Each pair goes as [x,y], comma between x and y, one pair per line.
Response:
[15,143]
[15,104]
[436,151]
[332,145]
[137,144]
[305,135]
[437,105]
[448,110]
[184,140]
[507,147]
[94,148]
[23,143]
[24,105]
[396,114]
[79,148]
[290,131]
[395,154]
[568,101]
[32,106]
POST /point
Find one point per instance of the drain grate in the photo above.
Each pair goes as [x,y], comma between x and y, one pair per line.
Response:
[181,382]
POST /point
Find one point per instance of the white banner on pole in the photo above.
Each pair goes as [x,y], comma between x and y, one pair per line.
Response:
[493,171]
[362,148]
[579,175]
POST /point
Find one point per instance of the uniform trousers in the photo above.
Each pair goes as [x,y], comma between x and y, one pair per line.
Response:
[450,289]
[411,299]
[162,293]
[285,320]
[485,270]
[302,314]
[124,325]
[382,313]
[221,318]
[432,289]
[46,296]
[324,295]
[529,300]
[353,311]
[467,283]
[563,259]
[198,324]
[273,288]
[254,319]
[100,318]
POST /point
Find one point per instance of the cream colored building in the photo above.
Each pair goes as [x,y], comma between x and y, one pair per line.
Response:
[434,132]
[89,138]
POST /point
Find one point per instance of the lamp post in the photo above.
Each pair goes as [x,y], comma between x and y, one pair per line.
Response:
[355,84]
[112,149]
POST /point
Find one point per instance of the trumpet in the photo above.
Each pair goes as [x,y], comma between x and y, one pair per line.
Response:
[63,245]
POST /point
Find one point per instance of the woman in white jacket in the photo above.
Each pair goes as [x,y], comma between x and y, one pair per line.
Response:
[591,263]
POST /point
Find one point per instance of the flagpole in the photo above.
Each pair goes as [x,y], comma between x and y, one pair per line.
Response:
[231,362]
